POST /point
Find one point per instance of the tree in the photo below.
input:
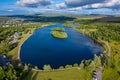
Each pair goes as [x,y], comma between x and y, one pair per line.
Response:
[61,67]
[87,63]
[47,67]
[81,65]
[2,74]
[97,61]
[8,73]
[5,46]
[91,66]
[75,65]
[68,66]
[36,67]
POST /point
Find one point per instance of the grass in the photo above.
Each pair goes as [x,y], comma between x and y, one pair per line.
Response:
[68,24]
[58,29]
[59,33]
[72,74]
[86,30]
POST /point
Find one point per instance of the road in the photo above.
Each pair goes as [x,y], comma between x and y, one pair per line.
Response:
[99,71]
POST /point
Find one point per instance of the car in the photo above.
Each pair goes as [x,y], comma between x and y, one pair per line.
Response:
[94,79]
[94,75]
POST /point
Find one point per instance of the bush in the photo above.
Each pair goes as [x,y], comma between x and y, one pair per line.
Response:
[47,67]
[61,67]
[75,65]
[36,67]
[68,66]
[69,25]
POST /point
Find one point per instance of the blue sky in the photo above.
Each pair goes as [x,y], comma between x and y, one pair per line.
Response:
[16,7]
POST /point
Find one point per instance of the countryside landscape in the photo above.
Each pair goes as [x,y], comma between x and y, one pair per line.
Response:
[60,40]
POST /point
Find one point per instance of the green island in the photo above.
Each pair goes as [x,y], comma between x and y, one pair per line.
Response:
[68,24]
[59,33]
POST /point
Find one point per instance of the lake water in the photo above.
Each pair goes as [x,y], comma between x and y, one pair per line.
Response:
[41,48]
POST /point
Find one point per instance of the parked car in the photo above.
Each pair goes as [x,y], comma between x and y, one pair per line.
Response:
[94,75]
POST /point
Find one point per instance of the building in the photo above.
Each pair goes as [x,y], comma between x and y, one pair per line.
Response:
[15,36]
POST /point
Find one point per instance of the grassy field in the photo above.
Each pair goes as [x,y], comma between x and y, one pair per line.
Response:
[59,33]
[72,74]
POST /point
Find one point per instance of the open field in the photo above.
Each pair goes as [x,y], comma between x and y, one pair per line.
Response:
[72,74]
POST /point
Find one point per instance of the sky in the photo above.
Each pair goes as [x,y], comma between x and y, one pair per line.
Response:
[18,7]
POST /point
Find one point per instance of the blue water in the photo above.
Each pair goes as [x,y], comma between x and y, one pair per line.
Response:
[41,48]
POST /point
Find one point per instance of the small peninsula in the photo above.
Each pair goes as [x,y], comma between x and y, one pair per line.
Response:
[59,33]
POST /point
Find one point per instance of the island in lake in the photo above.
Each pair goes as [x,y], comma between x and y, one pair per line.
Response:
[59,33]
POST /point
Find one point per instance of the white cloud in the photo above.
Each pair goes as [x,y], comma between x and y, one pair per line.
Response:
[33,3]
[61,6]
[108,3]
[76,3]
[10,10]
[83,4]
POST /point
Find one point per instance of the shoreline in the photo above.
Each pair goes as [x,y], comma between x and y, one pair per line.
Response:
[21,43]
[19,47]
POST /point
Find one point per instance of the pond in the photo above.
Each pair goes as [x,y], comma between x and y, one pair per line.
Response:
[42,48]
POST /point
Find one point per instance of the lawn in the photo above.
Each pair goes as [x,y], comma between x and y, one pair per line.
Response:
[71,74]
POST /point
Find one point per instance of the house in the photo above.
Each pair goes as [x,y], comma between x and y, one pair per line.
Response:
[6,25]
[15,36]
[14,41]
[4,61]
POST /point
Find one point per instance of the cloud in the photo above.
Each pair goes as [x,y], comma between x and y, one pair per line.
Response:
[33,3]
[88,4]
[107,4]
[61,6]
[76,3]
[10,10]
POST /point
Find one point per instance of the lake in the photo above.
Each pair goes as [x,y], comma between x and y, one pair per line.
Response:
[42,48]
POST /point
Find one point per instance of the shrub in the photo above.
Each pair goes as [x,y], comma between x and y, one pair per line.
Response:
[61,67]
[68,66]
[75,65]
[47,67]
